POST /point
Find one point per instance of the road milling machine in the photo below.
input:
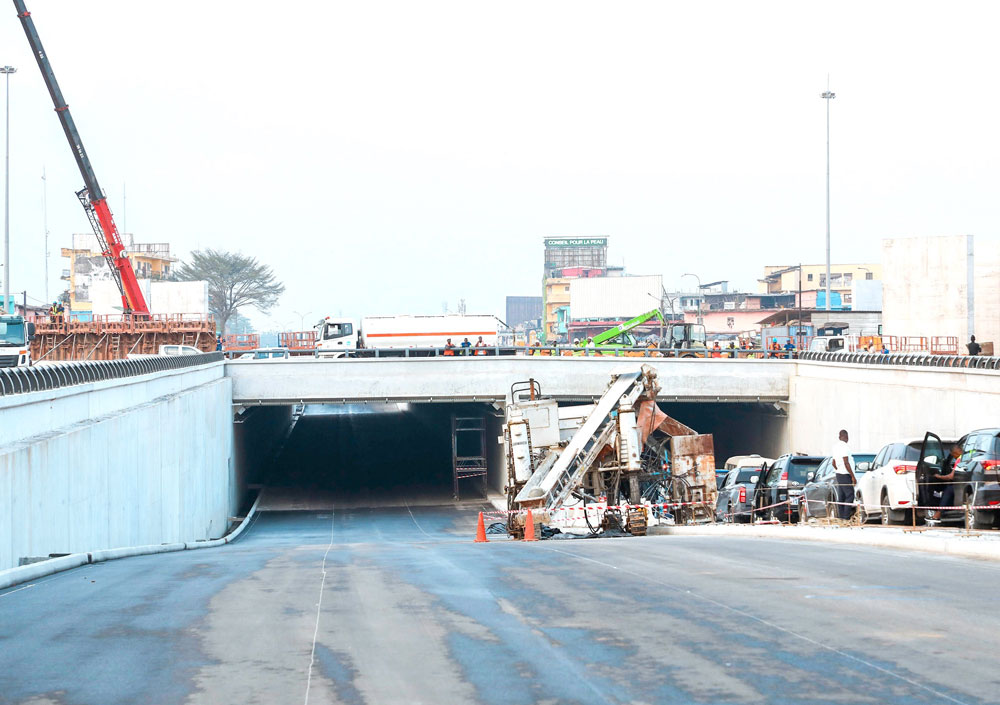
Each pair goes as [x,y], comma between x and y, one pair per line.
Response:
[616,460]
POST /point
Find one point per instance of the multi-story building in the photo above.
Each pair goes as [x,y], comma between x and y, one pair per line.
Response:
[569,258]
[785,279]
[92,289]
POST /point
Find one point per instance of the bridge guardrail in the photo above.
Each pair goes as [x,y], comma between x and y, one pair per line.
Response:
[548,351]
[21,380]
[972,362]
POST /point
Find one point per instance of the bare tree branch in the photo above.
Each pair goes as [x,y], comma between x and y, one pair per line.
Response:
[234,281]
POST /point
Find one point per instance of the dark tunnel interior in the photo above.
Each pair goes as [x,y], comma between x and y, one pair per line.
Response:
[357,450]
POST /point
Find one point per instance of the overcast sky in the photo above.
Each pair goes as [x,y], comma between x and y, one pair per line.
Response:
[386,157]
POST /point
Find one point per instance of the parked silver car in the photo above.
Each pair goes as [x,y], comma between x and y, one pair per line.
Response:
[735,500]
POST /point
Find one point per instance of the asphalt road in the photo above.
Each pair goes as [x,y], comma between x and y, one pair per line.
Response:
[397,605]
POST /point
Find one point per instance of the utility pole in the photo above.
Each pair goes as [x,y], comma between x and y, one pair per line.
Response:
[799,346]
[7,70]
[827,96]
[45,226]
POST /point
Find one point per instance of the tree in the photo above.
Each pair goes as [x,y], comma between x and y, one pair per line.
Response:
[234,280]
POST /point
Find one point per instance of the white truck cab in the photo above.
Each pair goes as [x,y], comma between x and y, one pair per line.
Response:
[15,341]
[841,342]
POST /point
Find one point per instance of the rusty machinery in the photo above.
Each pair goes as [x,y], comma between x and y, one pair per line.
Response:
[621,451]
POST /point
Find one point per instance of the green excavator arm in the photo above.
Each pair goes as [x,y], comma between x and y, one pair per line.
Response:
[620,330]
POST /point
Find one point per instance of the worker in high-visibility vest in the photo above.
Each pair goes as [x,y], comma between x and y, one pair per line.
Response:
[449,348]
[480,346]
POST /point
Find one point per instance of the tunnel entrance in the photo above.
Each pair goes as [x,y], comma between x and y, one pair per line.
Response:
[737,428]
[389,454]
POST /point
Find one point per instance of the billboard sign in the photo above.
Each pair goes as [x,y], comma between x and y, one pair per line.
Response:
[576,242]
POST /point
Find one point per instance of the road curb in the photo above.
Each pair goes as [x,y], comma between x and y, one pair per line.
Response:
[25,573]
[960,545]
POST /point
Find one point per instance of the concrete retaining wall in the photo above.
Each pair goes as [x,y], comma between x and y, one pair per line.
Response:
[153,465]
[879,405]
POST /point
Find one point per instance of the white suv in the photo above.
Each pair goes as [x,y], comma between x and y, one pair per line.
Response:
[888,489]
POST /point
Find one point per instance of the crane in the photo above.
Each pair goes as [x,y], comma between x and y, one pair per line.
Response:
[91,196]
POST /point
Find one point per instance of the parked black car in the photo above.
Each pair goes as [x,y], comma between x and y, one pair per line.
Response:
[783,481]
[976,481]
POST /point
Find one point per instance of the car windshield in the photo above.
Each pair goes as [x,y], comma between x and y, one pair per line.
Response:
[11,333]
[799,469]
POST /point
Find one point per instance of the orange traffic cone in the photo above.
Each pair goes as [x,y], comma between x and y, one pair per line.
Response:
[481,531]
[529,528]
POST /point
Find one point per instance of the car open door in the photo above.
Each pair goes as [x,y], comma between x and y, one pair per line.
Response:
[928,464]
[759,489]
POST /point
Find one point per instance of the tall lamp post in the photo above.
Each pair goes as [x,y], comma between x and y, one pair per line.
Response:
[302,318]
[828,96]
[701,321]
[7,71]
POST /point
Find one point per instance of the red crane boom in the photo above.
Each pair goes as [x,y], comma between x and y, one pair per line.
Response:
[92,197]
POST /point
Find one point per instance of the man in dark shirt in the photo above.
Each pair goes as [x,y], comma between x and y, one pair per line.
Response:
[947,480]
[973,346]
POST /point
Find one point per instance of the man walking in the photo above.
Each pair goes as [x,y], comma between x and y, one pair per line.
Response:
[974,347]
[845,479]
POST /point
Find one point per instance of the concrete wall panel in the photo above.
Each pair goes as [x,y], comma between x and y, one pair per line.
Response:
[158,471]
[879,405]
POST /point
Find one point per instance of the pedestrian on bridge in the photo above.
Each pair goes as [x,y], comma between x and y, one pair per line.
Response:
[789,349]
[845,479]
[449,348]
[480,344]
[974,347]
[465,346]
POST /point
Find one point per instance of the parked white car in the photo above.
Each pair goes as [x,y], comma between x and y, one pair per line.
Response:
[888,490]
[266,354]
[179,350]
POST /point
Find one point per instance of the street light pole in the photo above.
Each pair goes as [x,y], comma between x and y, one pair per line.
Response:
[7,70]
[701,321]
[828,96]
[302,318]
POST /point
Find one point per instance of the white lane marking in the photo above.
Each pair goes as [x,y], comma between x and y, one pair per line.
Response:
[766,623]
[319,607]
[18,590]
[415,521]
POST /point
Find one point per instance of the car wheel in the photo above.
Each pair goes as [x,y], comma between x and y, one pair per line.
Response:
[978,518]
[891,517]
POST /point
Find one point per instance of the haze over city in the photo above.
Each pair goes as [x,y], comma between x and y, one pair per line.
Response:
[387,158]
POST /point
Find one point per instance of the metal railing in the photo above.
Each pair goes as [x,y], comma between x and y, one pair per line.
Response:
[551,351]
[974,362]
[20,380]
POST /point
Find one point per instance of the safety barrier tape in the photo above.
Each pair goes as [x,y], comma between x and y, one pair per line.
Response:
[503,513]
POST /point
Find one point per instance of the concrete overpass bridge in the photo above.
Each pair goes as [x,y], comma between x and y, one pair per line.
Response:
[489,379]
